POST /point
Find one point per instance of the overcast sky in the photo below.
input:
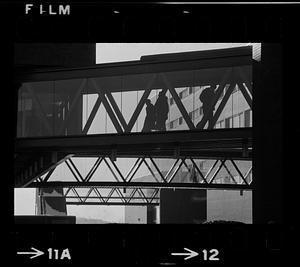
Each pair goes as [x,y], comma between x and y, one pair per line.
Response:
[107,52]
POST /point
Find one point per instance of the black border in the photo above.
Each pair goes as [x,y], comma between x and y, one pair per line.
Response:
[161,23]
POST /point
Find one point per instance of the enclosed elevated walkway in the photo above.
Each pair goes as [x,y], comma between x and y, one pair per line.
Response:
[101,112]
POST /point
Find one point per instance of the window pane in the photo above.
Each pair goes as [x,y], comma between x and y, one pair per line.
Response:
[180,120]
[247,118]
[227,123]
[236,122]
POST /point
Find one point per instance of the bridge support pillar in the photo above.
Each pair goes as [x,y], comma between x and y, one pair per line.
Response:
[267,135]
[49,201]
[183,206]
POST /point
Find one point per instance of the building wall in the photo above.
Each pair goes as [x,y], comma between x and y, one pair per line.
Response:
[136,214]
[230,205]
[234,109]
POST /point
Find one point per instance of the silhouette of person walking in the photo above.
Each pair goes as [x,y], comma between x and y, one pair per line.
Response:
[193,174]
[149,122]
[161,111]
[207,98]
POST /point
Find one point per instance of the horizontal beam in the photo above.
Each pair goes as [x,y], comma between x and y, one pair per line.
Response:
[92,197]
[139,185]
[235,154]
[111,204]
[185,61]
[205,144]
[233,137]
[198,144]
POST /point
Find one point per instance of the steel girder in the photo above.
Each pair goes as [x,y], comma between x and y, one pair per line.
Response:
[88,189]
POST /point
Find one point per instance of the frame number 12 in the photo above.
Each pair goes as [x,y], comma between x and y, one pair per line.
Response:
[211,255]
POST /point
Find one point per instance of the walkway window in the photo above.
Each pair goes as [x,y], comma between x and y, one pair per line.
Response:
[196,113]
[235,88]
[185,92]
[171,125]
[236,121]
[180,120]
[171,101]
[201,111]
[227,122]
[247,118]
[241,119]
[197,88]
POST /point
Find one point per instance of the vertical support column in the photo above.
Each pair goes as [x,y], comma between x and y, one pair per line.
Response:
[267,163]
[183,206]
[50,201]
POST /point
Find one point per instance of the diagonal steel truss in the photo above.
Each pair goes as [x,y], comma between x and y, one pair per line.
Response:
[234,76]
[101,192]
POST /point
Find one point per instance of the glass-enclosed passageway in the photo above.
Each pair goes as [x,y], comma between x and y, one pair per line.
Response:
[187,92]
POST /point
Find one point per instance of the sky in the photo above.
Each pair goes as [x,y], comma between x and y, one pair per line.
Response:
[107,52]
[24,199]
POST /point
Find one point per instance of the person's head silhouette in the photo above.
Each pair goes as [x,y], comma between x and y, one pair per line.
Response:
[161,93]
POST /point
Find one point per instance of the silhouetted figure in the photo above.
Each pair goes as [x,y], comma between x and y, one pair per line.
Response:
[193,174]
[149,123]
[161,111]
[207,97]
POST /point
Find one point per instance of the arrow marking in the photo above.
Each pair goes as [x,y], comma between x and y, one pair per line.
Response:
[35,253]
[191,254]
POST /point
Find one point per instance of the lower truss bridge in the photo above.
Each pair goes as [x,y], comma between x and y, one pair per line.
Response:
[132,169]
